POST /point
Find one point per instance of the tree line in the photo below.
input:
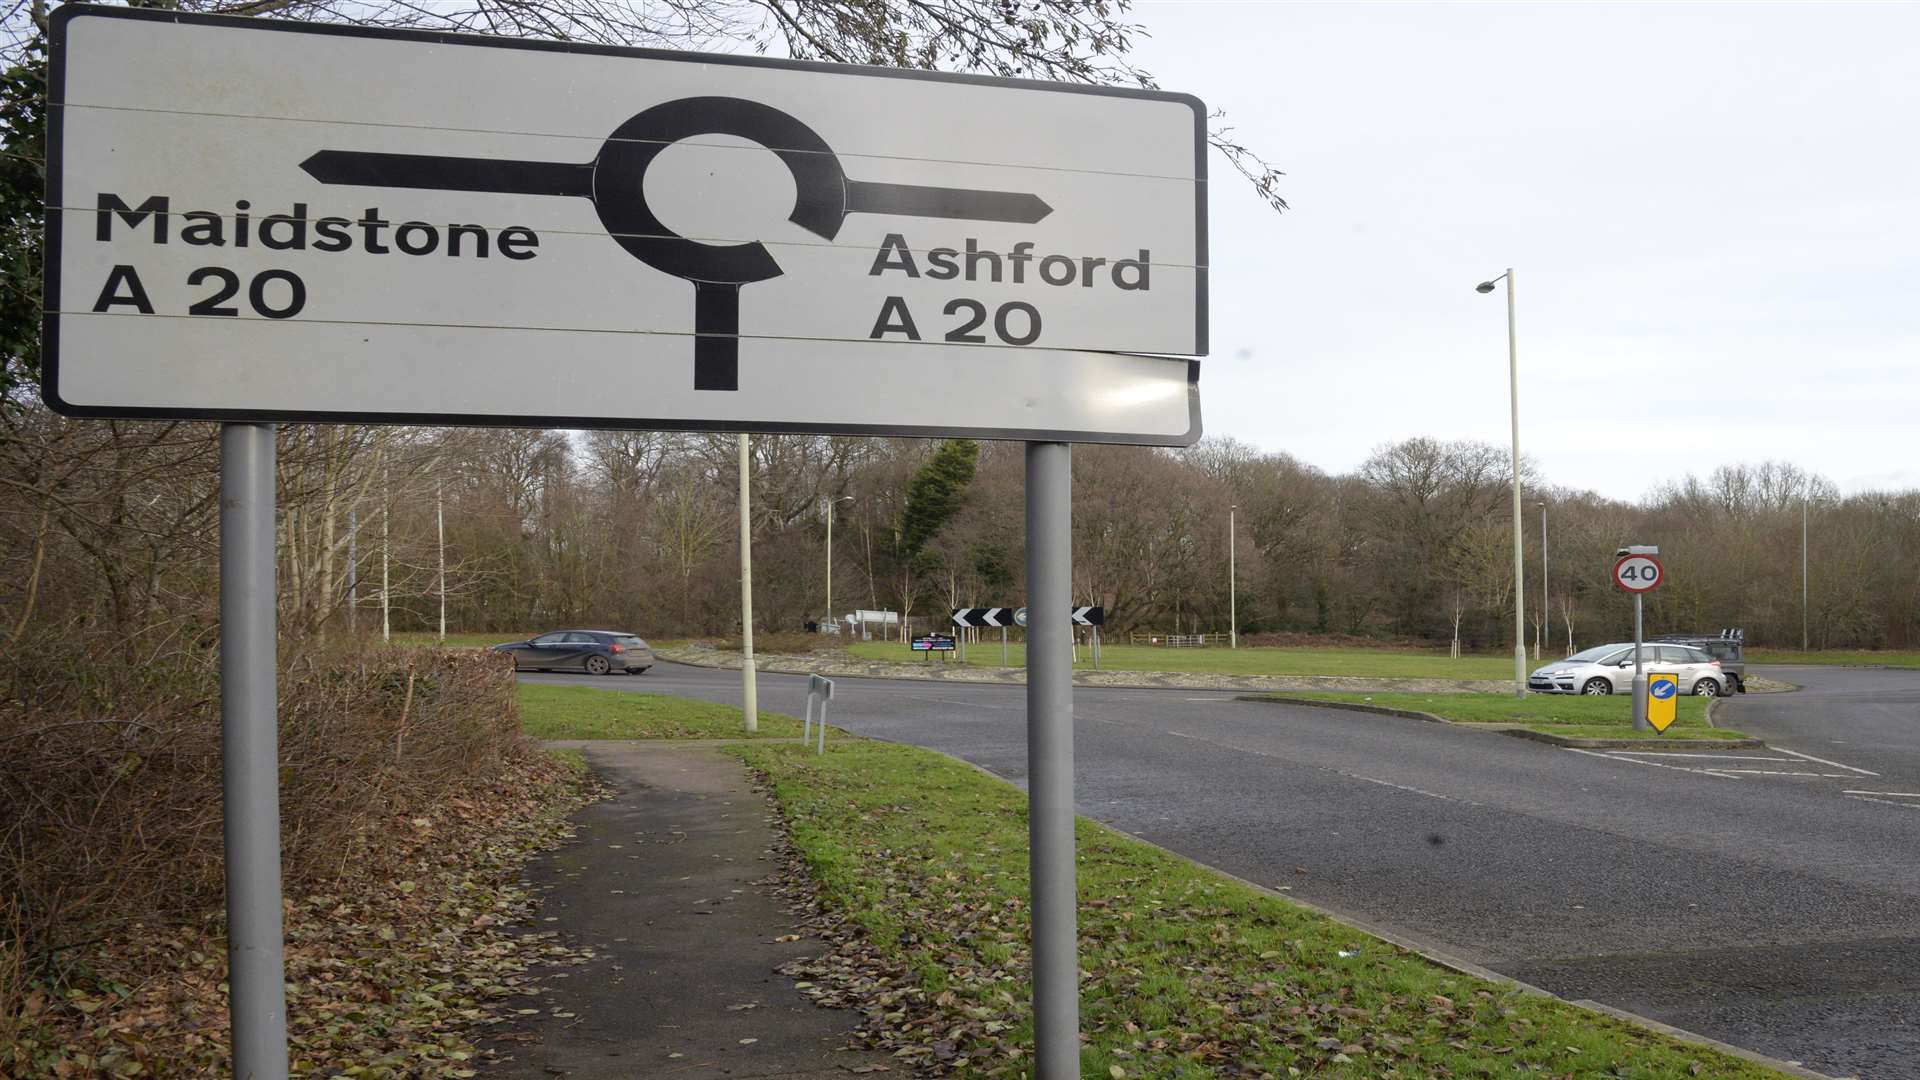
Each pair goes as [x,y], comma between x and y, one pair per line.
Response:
[113,525]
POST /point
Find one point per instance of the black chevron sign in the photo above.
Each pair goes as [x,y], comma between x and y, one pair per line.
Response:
[1090,616]
[983,616]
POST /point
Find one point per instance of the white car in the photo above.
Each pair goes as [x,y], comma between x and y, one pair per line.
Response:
[1609,670]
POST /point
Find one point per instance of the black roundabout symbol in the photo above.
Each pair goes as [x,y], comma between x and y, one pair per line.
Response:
[614,180]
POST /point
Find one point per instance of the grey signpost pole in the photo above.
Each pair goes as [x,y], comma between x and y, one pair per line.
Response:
[250,757]
[750,704]
[1056,966]
[1639,673]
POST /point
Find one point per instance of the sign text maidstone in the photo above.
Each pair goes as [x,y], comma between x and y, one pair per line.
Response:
[267,220]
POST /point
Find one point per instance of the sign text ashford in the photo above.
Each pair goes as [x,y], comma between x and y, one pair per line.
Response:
[324,222]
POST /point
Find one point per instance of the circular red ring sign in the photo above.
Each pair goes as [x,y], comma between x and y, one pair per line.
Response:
[1638,573]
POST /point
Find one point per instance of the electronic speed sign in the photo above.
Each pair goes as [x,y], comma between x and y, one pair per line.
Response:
[261,220]
[1638,573]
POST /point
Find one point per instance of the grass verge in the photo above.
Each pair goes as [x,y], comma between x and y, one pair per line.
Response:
[1571,715]
[918,866]
[586,712]
[1900,658]
[1358,662]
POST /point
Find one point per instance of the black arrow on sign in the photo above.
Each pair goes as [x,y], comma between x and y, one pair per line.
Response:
[616,182]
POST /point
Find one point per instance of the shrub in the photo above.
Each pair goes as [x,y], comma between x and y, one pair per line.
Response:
[110,777]
[788,644]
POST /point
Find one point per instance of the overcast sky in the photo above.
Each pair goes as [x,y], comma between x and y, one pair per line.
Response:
[1713,211]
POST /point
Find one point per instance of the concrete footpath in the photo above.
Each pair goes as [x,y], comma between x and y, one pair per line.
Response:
[664,883]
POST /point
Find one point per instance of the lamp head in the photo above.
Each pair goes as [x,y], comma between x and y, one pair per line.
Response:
[1484,287]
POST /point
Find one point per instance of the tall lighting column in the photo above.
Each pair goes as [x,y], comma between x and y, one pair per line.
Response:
[831,505]
[1519,569]
[1546,598]
[1233,585]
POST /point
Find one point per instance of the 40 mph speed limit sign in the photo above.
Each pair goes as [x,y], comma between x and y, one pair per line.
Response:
[1638,573]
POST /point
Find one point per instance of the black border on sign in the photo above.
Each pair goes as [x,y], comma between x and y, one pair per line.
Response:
[55,197]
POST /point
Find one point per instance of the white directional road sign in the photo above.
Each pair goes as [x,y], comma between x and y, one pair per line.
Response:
[258,220]
[1638,573]
[1089,616]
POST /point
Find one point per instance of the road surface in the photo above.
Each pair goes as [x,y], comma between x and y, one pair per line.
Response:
[1769,899]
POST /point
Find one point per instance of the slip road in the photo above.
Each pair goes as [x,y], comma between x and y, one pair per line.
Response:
[1773,909]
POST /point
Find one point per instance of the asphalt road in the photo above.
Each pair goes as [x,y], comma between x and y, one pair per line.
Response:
[1767,899]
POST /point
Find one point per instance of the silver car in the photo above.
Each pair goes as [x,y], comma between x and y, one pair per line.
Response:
[1609,670]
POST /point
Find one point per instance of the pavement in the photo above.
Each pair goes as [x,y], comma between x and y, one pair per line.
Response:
[1769,899]
[664,883]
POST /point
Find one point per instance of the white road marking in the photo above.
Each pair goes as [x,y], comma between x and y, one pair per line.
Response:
[1824,761]
[1722,757]
[968,704]
[1885,802]
[1649,764]
[1901,794]
[1781,772]
[1329,769]
[1402,787]
[1214,698]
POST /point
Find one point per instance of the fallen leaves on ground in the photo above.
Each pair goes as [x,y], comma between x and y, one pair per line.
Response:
[393,968]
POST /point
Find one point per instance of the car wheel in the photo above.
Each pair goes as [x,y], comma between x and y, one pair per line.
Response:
[1597,687]
[597,665]
[1706,687]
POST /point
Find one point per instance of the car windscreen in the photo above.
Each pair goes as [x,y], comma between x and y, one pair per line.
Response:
[629,641]
[1593,656]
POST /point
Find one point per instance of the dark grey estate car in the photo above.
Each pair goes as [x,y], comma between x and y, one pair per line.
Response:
[1728,647]
[596,652]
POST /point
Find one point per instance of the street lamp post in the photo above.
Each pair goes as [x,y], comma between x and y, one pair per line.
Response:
[1233,585]
[1519,570]
[831,503]
[1546,597]
[1804,500]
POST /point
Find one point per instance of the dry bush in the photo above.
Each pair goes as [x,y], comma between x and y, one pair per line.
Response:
[110,778]
[785,644]
[1335,641]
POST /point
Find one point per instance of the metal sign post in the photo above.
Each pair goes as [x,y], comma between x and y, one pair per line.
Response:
[1637,570]
[250,752]
[1056,966]
[750,704]
[1639,671]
